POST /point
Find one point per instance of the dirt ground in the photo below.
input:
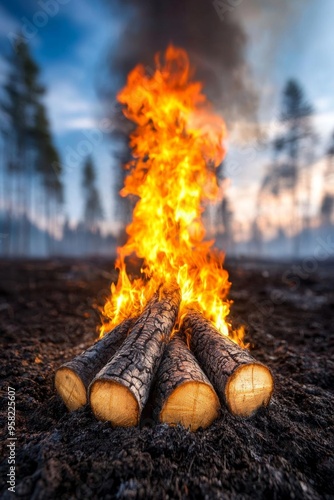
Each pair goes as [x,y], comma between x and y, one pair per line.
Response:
[48,316]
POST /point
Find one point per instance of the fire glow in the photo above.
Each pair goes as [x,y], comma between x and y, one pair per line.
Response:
[177,144]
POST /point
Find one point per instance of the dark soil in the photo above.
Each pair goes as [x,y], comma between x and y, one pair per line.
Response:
[48,316]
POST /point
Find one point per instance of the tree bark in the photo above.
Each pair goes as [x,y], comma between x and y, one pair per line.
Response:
[241,382]
[183,393]
[120,391]
[73,378]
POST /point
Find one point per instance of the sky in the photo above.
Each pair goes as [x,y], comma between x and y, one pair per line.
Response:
[71,43]
[286,40]
[70,49]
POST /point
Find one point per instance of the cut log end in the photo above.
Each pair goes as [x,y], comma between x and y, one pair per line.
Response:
[70,388]
[240,381]
[249,388]
[121,389]
[114,402]
[191,404]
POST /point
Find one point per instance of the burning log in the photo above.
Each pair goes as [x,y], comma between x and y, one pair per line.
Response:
[120,390]
[183,393]
[242,382]
[73,378]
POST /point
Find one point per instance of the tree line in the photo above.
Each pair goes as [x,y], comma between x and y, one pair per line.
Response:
[33,187]
[284,201]
[30,166]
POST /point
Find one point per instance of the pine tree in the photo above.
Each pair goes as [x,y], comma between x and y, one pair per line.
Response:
[30,150]
[93,211]
[292,151]
[46,157]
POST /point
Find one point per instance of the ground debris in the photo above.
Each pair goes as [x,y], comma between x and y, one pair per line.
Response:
[48,316]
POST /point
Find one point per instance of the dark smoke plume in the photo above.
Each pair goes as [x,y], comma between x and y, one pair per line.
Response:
[214,41]
[213,38]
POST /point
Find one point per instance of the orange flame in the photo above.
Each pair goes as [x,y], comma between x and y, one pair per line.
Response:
[176,145]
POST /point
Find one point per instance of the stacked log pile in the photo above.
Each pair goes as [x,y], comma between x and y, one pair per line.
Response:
[187,376]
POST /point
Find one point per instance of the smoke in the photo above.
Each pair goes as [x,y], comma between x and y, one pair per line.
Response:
[268,23]
[273,17]
[211,34]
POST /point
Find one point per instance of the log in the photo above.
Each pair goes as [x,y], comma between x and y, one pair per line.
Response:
[183,394]
[72,379]
[120,390]
[241,382]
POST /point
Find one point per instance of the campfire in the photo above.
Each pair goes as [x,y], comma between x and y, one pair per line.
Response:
[166,335]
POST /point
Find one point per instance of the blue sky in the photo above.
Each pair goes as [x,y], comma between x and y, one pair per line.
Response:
[284,41]
[70,50]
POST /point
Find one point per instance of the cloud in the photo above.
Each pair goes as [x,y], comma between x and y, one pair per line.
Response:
[324,103]
[80,123]
[324,122]
[68,107]
[71,98]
